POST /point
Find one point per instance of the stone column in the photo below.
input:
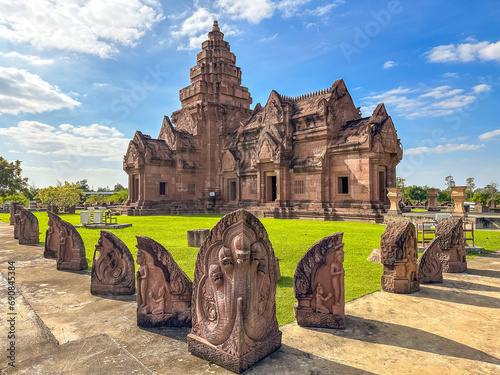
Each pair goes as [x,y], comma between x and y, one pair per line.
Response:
[394,196]
[432,196]
[130,189]
[458,194]
[142,187]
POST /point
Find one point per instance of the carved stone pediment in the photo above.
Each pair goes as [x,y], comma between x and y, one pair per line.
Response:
[234,294]
[430,269]
[228,163]
[113,269]
[52,236]
[163,288]
[71,254]
[28,227]
[452,244]
[319,285]
[399,253]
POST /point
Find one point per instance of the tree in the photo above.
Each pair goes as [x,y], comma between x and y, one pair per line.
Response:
[400,184]
[84,185]
[11,181]
[491,189]
[469,182]
[450,182]
[417,193]
[103,189]
[119,187]
[61,196]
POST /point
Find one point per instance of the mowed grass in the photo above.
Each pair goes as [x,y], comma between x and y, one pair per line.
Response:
[290,240]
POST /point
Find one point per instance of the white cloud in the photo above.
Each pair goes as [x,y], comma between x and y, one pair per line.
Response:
[481,88]
[465,52]
[390,64]
[321,11]
[33,60]
[490,135]
[93,26]
[290,8]
[195,27]
[422,101]
[251,10]
[23,92]
[450,75]
[84,141]
[442,149]
[265,40]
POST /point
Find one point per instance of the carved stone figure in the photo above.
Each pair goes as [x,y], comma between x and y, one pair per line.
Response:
[398,250]
[71,250]
[113,269]
[27,227]
[17,222]
[430,269]
[52,236]
[319,285]
[234,295]
[163,289]
[452,244]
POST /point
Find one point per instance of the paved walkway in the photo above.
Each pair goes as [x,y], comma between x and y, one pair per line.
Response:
[449,328]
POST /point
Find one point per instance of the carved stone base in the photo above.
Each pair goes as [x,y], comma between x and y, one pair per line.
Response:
[313,319]
[49,254]
[78,264]
[392,285]
[175,319]
[112,290]
[29,241]
[451,266]
[203,349]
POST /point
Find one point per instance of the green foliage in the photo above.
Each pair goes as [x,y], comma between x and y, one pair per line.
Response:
[415,192]
[119,187]
[21,198]
[400,184]
[84,186]
[119,196]
[11,182]
[444,196]
[480,197]
[62,196]
[469,182]
[450,182]
[97,198]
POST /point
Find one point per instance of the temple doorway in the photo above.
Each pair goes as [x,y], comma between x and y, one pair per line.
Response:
[271,188]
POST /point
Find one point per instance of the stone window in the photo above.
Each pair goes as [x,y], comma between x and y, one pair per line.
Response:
[343,185]
[191,189]
[299,187]
[163,188]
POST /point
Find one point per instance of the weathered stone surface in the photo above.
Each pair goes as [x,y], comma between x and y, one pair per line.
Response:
[451,242]
[71,250]
[459,194]
[375,256]
[52,236]
[399,253]
[113,270]
[27,230]
[480,208]
[234,295]
[197,236]
[432,197]
[163,288]
[17,222]
[312,155]
[430,269]
[12,210]
[394,196]
[491,203]
[319,285]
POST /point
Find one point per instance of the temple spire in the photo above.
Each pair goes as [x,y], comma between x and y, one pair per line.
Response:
[215,34]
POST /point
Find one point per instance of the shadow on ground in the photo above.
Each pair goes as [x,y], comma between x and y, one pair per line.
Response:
[377,332]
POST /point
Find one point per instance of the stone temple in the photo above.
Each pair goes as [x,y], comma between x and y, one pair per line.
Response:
[308,156]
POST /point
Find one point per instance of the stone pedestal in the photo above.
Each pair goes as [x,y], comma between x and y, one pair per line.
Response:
[459,194]
[394,195]
[432,197]
[197,236]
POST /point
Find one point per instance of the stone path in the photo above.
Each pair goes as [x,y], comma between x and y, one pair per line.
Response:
[449,328]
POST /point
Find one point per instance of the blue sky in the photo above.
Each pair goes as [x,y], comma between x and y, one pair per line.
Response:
[78,77]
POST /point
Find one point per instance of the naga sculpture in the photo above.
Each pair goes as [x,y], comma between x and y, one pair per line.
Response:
[430,269]
[319,285]
[234,295]
[398,250]
[12,217]
[113,270]
[452,244]
[163,289]
[52,236]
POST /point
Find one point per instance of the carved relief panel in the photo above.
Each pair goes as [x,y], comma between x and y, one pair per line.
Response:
[234,303]
[112,267]
[319,285]
[71,250]
[163,288]
[430,269]
[28,227]
[452,244]
[52,236]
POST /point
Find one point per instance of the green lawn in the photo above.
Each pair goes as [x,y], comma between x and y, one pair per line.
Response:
[290,239]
